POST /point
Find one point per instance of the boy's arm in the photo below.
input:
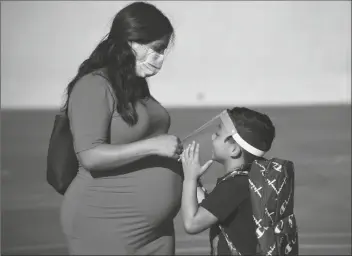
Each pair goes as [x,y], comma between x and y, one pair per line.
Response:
[200,195]
[216,207]
[196,219]
[201,192]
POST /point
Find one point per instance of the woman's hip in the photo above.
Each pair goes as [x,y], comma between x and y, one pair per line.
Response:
[137,214]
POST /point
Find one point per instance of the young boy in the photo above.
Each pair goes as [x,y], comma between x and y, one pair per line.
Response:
[229,203]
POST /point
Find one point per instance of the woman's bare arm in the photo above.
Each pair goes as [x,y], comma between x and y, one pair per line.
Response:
[106,157]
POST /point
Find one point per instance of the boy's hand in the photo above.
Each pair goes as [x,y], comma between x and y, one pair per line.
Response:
[190,162]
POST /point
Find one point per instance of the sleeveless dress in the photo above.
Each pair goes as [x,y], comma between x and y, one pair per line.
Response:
[128,210]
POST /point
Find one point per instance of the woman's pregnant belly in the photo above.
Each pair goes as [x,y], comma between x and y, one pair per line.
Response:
[134,205]
[159,194]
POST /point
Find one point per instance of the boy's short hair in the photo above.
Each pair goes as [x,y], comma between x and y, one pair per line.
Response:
[254,127]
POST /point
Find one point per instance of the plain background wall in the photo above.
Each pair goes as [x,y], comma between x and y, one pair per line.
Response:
[231,52]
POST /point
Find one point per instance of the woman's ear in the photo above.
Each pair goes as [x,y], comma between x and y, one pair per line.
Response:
[133,46]
[139,50]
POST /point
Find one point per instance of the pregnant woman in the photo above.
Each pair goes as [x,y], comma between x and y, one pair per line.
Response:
[128,188]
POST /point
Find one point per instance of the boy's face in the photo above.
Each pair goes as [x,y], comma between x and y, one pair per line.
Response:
[221,147]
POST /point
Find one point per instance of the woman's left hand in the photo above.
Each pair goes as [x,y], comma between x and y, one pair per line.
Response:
[190,162]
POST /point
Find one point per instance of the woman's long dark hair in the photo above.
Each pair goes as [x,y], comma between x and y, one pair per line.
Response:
[138,22]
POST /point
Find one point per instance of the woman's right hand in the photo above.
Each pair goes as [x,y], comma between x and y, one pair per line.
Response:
[167,145]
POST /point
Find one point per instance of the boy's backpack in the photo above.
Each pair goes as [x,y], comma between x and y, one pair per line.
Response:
[272,195]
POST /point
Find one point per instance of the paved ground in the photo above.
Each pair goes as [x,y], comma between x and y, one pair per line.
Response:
[318,140]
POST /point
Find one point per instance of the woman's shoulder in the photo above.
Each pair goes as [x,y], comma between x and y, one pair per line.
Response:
[93,86]
[101,73]
[92,79]
[94,82]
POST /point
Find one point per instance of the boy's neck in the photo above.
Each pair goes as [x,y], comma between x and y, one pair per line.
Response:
[233,164]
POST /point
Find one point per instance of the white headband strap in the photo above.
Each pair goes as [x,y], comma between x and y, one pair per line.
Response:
[248,147]
[226,120]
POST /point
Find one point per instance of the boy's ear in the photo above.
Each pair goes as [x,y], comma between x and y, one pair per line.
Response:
[234,149]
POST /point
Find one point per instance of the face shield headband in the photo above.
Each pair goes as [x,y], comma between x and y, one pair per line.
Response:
[230,127]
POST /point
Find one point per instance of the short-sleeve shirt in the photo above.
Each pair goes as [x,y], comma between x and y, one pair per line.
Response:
[90,110]
[94,119]
[230,203]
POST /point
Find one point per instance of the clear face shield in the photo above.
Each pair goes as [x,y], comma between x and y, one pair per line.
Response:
[220,125]
[203,135]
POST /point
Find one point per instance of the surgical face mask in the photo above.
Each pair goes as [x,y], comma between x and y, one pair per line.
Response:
[148,61]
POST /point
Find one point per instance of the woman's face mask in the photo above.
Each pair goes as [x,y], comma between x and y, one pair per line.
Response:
[148,61]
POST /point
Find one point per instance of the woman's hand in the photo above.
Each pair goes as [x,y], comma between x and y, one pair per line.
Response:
[190,161]
[167,145]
